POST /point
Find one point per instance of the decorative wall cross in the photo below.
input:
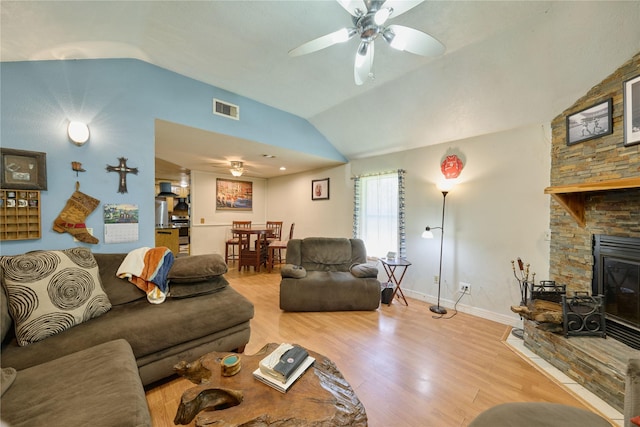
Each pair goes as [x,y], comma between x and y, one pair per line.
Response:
[123,170]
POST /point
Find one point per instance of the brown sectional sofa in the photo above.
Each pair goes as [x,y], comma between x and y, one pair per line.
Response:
[201,314]
[98,386]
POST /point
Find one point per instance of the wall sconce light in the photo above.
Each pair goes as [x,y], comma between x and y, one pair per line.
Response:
[78,133]
[237,168]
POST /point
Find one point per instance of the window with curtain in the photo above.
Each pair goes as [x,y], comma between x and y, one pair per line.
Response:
[379,212]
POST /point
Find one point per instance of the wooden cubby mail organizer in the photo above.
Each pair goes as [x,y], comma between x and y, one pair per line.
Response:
[19,214]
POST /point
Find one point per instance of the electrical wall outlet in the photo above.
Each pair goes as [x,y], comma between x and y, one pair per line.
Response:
[435,279]
[465,288]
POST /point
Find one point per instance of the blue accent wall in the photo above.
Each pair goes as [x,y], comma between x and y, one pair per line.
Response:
[120,100]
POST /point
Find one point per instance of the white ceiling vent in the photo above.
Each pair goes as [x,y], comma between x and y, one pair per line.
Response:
[222,108]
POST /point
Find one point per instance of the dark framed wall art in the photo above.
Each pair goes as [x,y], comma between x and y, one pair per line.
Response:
[320,189]
[590,123]
[23,170]
[631,90]
[234,195]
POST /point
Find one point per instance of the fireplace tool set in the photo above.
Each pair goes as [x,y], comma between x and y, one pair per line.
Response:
[522,276]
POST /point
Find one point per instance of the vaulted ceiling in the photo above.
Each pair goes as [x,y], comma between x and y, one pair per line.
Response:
[506,64]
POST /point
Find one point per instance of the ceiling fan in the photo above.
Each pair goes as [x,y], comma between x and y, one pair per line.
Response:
[369,19]
[237,168]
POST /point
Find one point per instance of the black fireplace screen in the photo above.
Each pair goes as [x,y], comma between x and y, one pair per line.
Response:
[621,289]
[617,277]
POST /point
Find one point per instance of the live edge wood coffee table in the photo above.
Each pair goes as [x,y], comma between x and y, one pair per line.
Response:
[320,397]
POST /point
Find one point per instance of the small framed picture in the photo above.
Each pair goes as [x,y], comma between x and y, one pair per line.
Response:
[23,170]
[590,123]
[631,90]
[320,189]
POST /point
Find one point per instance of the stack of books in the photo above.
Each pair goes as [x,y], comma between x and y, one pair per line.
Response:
[283,366]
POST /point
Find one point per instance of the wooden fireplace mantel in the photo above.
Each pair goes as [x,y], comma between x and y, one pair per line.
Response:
[572,197]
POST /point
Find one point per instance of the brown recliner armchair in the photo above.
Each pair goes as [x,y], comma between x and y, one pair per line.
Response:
[328,274]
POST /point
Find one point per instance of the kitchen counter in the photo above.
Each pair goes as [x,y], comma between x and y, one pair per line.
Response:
[168,236]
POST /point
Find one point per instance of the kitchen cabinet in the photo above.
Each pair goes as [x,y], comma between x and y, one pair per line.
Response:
[169,237]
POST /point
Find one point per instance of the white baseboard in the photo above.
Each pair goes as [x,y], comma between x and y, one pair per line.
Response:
[464,308]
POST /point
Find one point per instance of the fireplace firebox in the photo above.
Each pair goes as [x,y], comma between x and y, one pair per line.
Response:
[616,275]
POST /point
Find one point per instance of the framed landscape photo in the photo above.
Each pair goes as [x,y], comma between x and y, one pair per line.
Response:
[590,123]
[320,189]
[631,90]
[23,170]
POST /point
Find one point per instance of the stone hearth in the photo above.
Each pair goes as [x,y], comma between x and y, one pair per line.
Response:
[598,364]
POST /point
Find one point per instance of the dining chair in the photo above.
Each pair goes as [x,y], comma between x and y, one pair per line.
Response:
[276,227]
[278,245]
[234,241]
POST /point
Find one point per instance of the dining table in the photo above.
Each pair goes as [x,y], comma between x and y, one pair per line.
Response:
[256,256]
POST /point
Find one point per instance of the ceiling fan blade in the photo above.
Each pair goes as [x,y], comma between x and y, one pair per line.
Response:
[401,6]
[340,36]
[363,63]
[352,5]
[411,40]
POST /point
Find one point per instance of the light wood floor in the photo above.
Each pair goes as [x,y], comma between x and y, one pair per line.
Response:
[407,368]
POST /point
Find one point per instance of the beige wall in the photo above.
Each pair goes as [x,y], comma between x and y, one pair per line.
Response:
[286,199]
[209,227]
[497,213]
[289,199]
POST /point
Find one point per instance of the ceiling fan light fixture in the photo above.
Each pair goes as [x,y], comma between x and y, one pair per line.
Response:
[382,15]
[395,41]
[399,44]
[343,35]
[361,55]
[237,168]
[369,25]
[388,35]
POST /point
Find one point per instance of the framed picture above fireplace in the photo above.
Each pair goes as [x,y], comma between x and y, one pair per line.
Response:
[631,90]
[590,123]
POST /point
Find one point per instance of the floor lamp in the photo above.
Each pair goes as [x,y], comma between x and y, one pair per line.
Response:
[428,234]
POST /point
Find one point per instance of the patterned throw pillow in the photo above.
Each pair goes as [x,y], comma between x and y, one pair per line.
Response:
[52,291]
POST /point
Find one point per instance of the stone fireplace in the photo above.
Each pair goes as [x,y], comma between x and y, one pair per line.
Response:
[595,189]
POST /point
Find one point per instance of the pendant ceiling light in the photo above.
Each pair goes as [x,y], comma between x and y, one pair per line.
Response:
[237,168]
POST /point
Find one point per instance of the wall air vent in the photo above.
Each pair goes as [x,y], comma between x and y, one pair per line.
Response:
[222,108]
